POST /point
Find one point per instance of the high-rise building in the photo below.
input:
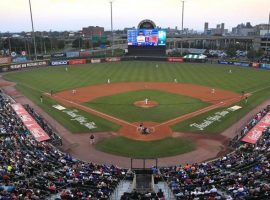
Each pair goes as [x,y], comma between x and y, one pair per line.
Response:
[222,27]
[206,27]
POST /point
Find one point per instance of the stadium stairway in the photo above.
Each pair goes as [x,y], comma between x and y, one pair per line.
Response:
[123,186]
[166,190]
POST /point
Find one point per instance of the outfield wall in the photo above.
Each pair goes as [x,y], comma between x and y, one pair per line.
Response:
[81,61]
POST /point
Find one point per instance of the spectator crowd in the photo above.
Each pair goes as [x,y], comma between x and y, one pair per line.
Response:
[242,174]
[35,170]
[39,170]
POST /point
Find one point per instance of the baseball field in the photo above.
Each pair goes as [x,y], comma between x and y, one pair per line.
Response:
[116,97]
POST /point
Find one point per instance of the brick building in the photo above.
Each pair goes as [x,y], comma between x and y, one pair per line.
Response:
[92,31]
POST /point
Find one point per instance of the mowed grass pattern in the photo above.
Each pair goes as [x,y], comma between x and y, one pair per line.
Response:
[57,79]
[138,149]
[217,76]
[169,105]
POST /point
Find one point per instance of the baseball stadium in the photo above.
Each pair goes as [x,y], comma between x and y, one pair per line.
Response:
[139,126]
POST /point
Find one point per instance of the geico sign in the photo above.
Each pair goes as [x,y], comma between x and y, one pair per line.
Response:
[62,62]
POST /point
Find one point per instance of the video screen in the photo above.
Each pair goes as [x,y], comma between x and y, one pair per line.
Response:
[146,37]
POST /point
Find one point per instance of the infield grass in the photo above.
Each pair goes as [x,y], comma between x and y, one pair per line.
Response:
[132,148]
[169,105]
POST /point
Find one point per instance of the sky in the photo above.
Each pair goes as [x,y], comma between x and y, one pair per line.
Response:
[72,15]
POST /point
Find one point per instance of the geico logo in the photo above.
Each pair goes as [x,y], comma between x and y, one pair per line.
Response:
[59,63]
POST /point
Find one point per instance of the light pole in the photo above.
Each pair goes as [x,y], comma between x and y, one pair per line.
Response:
[112,27]
[182,26]
[267,36]
[33,31]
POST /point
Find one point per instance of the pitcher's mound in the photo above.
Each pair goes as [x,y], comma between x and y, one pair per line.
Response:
[142,104]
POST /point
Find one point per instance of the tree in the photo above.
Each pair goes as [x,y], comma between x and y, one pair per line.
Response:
[60,44]
[77,43]
[251,54]
[231,51]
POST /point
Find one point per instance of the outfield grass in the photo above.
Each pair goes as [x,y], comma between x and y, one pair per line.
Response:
[138,149]
[169,105]
[57,79]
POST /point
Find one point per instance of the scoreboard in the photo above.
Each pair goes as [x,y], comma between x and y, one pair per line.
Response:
[146,37]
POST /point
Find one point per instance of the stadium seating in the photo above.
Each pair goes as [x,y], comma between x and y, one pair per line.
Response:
[242,174]
[34,170]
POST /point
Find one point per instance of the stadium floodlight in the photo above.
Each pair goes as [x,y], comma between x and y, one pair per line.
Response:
[112,27]
[267,36]
[33,30]
[182,26]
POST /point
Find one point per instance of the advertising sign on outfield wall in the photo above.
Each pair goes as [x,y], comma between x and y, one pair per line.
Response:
[255,65]
[32,64]
[5,60]
[95,60]
[223,62]
[115,59]
[73,54]
[175,59]
[58,55]
[77,62]
[265,66]
[59,62]
[85,54]
[242,64]
[19,59]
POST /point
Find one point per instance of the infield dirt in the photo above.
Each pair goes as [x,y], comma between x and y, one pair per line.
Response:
[158,130]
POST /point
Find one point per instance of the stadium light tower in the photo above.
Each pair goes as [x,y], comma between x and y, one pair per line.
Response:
[112,27]
[182,26]
[33,30]
[267,36]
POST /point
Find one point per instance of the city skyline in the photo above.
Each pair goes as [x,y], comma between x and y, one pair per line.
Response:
[72,15]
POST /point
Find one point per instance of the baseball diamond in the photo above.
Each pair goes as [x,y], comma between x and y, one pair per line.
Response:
[94,110]
[109,107]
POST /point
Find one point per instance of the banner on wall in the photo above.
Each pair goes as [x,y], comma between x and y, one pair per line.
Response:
[5,60]
[77,62]
[256,132]
[85,54]
[38,133]
[58,55]
[175,59]
[19,59]
[265,66]
[59,62]
[114,59]
[241,64]
[255,65]
[95,61]
[73,54]
[30,64]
